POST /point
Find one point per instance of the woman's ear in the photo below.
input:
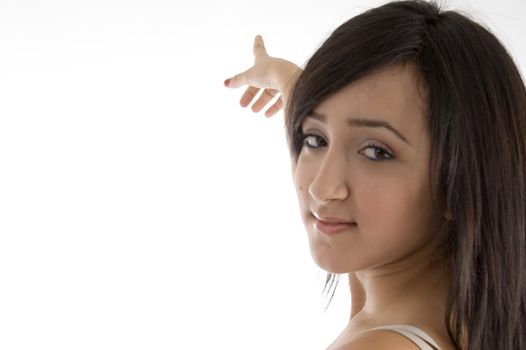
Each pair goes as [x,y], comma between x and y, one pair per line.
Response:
[448,215]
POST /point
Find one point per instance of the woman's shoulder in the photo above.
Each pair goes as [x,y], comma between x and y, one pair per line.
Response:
[397,337]
[379,340]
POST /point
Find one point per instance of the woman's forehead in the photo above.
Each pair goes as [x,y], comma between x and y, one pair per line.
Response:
[391,95]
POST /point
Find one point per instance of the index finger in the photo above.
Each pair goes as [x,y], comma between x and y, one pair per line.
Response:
[237,80]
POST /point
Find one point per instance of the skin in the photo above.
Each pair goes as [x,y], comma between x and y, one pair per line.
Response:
[270,80]
[372,177]
[386,191]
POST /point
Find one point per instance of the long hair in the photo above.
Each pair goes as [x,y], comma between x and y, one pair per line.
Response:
[476,118]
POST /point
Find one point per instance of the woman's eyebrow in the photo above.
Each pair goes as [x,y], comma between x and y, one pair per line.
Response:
[373,123]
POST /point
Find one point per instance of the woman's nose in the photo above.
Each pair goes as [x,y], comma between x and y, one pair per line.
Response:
[331,181]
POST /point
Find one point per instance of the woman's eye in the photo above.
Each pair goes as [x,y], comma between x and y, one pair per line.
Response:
[371,151]
[312,141]
[376,153]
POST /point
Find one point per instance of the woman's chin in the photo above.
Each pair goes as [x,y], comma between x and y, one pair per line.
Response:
[330,264]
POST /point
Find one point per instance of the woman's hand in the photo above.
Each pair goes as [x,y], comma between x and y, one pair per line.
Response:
[273,75]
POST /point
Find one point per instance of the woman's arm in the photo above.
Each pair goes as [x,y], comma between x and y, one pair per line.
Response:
[273,75]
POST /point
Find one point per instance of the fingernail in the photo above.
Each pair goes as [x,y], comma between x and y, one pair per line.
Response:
[227,82]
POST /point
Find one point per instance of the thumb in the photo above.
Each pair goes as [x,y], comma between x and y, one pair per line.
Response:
[259,46]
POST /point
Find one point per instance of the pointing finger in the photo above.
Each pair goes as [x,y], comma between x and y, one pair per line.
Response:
[237,80]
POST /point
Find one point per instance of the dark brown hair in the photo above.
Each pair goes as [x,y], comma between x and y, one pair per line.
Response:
[476,112]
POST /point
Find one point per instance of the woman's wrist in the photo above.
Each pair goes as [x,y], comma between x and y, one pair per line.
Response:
[286,74]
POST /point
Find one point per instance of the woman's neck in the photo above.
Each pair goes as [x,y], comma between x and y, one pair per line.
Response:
[409,290]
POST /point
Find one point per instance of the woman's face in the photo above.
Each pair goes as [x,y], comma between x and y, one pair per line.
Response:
[365,159]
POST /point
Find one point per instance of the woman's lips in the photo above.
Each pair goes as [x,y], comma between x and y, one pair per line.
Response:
[331,229]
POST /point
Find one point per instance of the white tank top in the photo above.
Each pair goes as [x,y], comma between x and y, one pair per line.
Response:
[416,335]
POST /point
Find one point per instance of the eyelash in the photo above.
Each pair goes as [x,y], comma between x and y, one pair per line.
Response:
[370,144]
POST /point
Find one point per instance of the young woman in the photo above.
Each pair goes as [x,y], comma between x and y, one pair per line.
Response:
[407,133]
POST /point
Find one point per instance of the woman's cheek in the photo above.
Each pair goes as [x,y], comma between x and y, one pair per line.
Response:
[302,174]
[384,207]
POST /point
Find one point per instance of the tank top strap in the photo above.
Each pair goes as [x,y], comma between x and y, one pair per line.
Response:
[416,335]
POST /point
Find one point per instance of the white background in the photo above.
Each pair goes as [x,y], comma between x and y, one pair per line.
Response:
[140,206]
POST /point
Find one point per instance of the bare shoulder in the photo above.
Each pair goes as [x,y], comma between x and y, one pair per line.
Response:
[379,340]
